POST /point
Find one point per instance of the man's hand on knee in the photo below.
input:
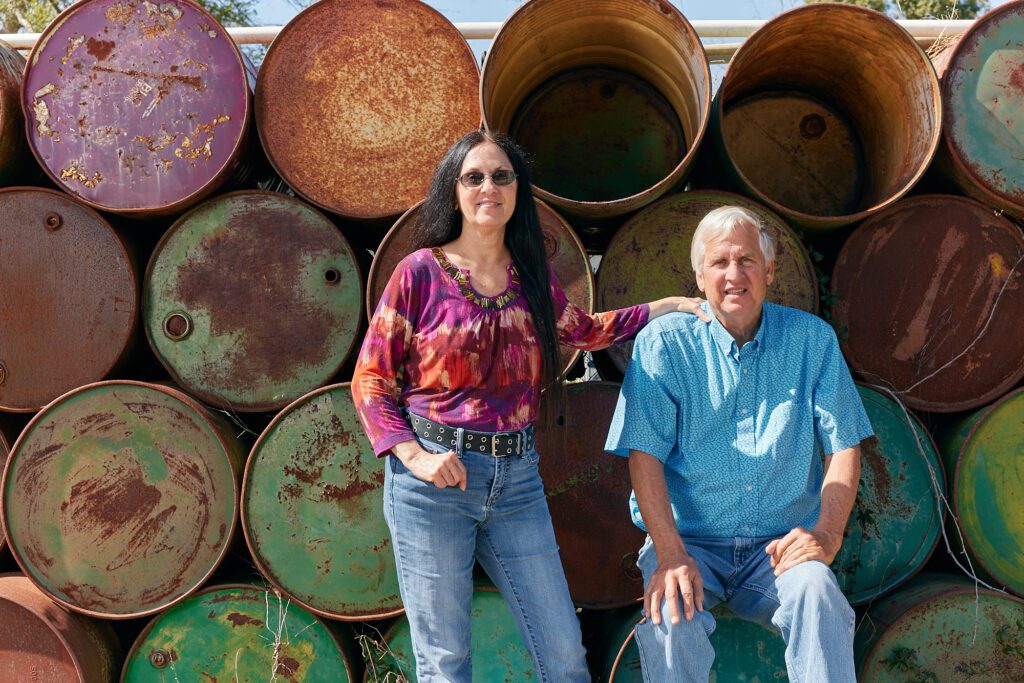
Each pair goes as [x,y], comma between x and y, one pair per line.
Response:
[801,545]
[676,579]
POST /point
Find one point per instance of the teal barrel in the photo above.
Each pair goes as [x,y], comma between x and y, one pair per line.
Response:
[985,453]
[237,633]
[312,510]
[251,300]
[498,650]
[120,498]
[938,629]
[897,519]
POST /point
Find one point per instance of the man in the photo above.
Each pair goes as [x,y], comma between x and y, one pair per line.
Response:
[722,423]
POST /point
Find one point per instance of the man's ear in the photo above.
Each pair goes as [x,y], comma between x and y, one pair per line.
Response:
[700,280]
[769,273]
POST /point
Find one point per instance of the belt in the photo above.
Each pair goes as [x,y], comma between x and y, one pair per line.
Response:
[498,444]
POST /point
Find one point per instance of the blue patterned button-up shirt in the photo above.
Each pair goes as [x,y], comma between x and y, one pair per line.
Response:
[740,430]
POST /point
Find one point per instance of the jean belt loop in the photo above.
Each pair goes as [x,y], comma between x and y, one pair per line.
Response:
[459,432]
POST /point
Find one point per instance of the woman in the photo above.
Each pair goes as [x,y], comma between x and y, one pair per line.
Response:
[448,384]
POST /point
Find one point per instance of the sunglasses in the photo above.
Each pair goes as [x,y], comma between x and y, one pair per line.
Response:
[475,179]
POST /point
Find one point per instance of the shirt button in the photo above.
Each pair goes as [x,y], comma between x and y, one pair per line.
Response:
[743,411]
[746,529]
[750,488]
[744,371]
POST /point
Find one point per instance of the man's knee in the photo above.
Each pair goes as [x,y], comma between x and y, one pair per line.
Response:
[811,581]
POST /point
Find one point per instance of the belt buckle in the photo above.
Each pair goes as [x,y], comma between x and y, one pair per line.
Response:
[494,446]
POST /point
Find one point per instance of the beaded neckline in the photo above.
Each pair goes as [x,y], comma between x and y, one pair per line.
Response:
[492,303]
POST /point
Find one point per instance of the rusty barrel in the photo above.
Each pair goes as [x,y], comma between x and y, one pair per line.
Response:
[817,127]
[611,98]
[897,517]
[649,258]
[137,107]
[313,482]
[939,628]
[70,297]
[930,292]
[251,300]
[14,154]
[564,251]
[120,498]
[358,100]
[5,450]
[983,105]
[41,641]
[984,454]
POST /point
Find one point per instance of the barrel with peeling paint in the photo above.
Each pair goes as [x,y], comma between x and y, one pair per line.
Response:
[70,297]
[120,498]
[251,300]
[236,633]
[939,629]
[313,482]
[386,88]
[649,258]
[822,130]
[14,154]
[137,107]
[564,251]
[950,335]
[984,454]
[610,97]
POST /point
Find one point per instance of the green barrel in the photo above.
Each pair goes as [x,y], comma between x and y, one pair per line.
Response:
[896,520]
[120,498]
[5,449]
[251,300]
[498,650]
[236,633]
[939,628]
[986,452]
[313,483]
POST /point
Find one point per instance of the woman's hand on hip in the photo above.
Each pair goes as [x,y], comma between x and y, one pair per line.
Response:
[440,469]
[685,304]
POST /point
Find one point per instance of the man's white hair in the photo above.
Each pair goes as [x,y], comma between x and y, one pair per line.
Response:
[724,221]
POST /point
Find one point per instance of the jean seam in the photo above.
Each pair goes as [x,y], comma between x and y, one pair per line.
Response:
[394,540]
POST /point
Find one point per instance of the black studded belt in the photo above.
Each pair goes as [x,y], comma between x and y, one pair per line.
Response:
[498,444]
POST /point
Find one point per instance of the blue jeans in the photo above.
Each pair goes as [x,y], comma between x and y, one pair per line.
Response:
[502,521]
[804,603]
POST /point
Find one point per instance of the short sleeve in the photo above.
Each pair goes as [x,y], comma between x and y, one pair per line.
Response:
[840,421]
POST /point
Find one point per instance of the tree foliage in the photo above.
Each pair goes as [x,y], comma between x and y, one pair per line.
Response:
[921,9]
[33,16]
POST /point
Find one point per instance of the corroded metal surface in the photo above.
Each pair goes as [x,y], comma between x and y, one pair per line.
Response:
[649,258]
[14,152]
[39,641]
[70,298]
[136,106]
[940,629]
[564,250]
[983,101]
[5,449]
[930,292]
[251,300]
[583,483]
[313,482]
[887,96]
[594,87]
[897,518]
[236,633]
[120,498]
[358,100]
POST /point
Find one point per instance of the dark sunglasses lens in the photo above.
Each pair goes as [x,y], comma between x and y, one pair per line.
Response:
[472,179]
[503,177]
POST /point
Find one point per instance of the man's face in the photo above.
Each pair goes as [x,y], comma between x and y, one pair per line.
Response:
[734,277]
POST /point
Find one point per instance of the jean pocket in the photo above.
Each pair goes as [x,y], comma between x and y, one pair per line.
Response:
[532,456]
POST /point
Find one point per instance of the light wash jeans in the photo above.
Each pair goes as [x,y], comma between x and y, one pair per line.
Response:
[804,603]
[502,521]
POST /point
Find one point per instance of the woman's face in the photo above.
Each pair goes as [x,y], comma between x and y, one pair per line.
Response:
[488,205]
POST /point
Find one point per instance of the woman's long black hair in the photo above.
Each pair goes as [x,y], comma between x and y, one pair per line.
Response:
[439,223]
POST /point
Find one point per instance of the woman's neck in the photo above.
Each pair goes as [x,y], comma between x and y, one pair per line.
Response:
[483,247]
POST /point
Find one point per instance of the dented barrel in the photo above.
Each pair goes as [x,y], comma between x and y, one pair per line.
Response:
[14,153]
[251,300]
[313,482]
[120,498]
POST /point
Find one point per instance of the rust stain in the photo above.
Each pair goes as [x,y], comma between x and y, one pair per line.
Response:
[76,171]
[1017,78]
[239,619]
[73,44]
[42,111]
[110,502]
[305,476]
[100,49]
[998,265]
[119,14]
[287,667]
[352,490]
[193,81]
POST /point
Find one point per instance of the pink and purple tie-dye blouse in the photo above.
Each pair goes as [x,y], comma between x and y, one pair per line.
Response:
[440,349]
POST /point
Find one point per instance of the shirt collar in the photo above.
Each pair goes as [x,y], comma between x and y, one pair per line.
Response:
[725,341]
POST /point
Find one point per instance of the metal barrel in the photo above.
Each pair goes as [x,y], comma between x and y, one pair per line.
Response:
[941,628]
[897,516]
[40,641]
[5,450]
[983,101]
[236,632]
[583,483]
[984,453]
[498,651]
[136,107]
[611,98]
[251,300]
[649,258]
[384,88]
[14,153]
[70,297]
[120,498]
[817,127]
[564,251]
[951,337]
[312,481]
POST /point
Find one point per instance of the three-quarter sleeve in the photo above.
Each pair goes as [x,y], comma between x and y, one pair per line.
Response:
[594,331]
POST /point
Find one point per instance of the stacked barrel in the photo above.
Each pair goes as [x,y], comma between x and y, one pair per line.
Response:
[189,252]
